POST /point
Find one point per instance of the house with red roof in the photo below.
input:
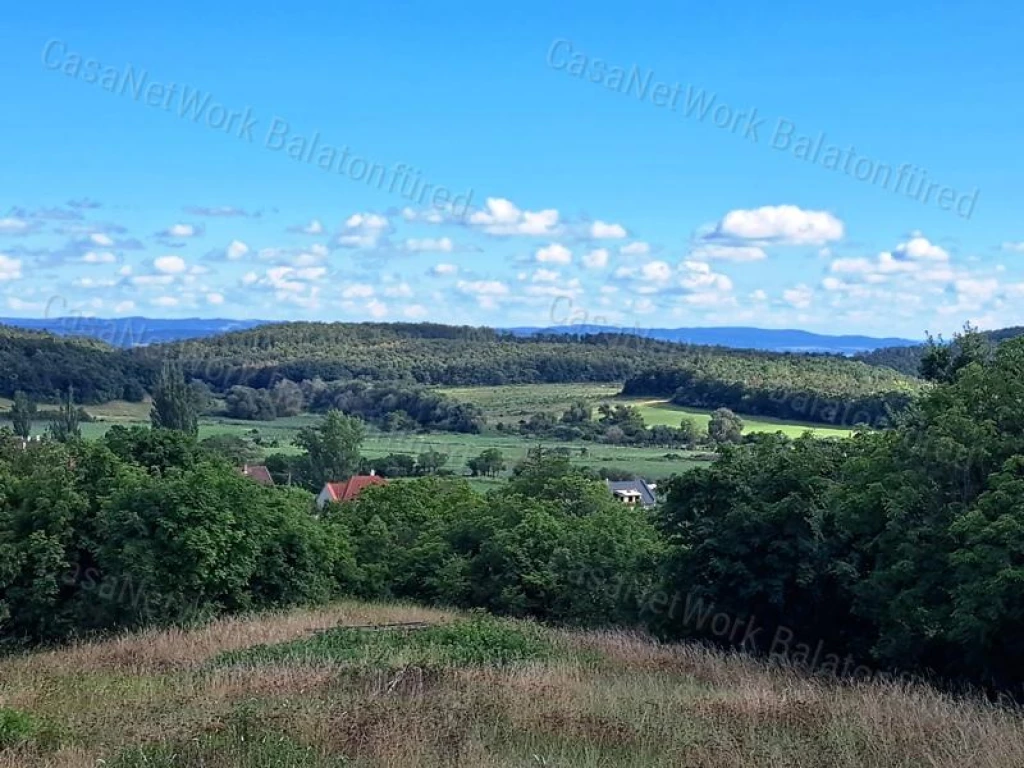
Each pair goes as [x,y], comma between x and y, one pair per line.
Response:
[347,490]
[258,473]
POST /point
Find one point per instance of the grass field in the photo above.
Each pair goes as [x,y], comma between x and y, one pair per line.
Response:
[322,689]
[663,412]
[506,403]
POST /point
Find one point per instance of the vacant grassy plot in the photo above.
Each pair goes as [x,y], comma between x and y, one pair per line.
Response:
[664,412]
[306,689]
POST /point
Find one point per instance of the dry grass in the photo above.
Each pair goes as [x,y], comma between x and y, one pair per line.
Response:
[608,699]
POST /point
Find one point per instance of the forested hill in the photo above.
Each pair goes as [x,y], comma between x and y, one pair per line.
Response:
[907,359]
[44,366]
[427,354]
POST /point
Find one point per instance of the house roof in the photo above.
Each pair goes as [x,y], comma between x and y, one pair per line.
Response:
[259,473]
[630,487]
[349,489]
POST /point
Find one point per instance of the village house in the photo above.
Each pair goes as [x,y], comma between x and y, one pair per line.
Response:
[257,473]
[633,492]
[347,490]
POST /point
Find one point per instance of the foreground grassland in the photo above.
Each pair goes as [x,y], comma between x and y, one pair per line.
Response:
[299,690]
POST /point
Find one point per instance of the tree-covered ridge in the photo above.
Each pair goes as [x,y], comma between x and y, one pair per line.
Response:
[816,388]
[434,354]
[43,366]
[908,360]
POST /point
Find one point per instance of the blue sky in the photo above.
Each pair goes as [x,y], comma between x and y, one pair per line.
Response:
[658,165]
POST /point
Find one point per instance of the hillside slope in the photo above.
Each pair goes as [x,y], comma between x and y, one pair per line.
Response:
[299,690]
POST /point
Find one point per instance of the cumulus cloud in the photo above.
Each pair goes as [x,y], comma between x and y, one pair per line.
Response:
[781,224]
[713,251]
[428,244]
[596,259]
[363,230]
[170,265]
[180,231]
[445,269]
[236,249]
[215,298]
[638,248]
[223,211]
[502,217]
[10,269]
[314,227]
[554,253]
[799,297]
[483,287]
[602,230]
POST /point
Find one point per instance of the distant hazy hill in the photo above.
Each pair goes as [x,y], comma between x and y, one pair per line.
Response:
[143,331]
[132,331]
[768,339]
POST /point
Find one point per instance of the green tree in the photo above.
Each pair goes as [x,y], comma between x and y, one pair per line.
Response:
[332,448]
[490,462]
[66,425]
[431,462]
[174,405]
[23,412]
[725,427]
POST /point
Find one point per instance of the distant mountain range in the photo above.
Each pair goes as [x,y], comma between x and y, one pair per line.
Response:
[132,331]
[143,331]
[766,339]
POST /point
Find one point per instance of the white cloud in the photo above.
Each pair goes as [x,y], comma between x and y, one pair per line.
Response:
[13,226]
[1014,247]
[445,269]
[919,249]
[101,239]
[603,230]
[124,306]
[164,301]
[415,311]
[554,253]
[10,269]
[712,251]
[377,308]
[363,230]
[400,291]
[656,271]
[502,217]
[596,259]
[169,265]
[426,244]
[98,257]
[314,227]
[799,297]
[236,249]
[698,276]
[638,248]
[786,224]
[181,230]
[544,276]
[215,298]
[483,287]
[357,291]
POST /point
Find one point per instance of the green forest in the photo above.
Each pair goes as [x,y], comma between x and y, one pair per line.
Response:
[272,370]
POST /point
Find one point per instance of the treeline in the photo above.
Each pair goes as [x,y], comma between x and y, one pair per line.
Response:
[390,406]
[819,389]
[908,360]
[44,366]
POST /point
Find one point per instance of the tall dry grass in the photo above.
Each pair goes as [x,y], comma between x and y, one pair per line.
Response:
[610,699]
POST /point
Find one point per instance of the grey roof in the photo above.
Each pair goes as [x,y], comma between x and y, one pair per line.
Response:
[647,497]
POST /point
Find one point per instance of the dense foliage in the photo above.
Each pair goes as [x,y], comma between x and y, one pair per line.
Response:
[812,388]
[903,548]
[44,366]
